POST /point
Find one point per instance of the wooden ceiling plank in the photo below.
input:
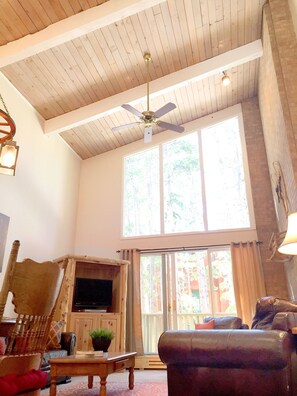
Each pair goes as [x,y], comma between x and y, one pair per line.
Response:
[36,13]
[14,28]
[74,141]
[22,71]
[170,34]
[192,29]
[234,25]
[71,28]
[111,138]
[87,139]
[50,62]
[6,34]
[158,58]
[226,32]
[85,71]
[65,101]
[195,72]
[134,49]
[112,55]
[42,86]
[102,65]
[98,139]
[145,29]
[241,22]
[185,58]
[108,143]
[64,57]
[248,22]
[164,39]
[122,42]
[16,14]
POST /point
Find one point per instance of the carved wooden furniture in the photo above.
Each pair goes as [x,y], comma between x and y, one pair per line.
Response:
[93,366]
[82,322]
[35,288]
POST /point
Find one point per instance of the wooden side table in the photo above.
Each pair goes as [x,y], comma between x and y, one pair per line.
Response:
[90,366]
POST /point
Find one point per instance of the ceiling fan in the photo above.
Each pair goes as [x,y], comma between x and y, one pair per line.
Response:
[148,117]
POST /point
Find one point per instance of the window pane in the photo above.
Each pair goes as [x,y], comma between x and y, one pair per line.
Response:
[192,283]
[225,188]
[142,194]
[183,209]
[222,283]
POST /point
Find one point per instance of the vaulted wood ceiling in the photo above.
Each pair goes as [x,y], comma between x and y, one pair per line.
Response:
[77,61]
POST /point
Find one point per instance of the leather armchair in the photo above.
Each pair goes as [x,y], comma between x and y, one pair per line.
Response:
[232,362]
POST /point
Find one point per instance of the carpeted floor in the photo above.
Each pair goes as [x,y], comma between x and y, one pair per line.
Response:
[147,382]
[113,389]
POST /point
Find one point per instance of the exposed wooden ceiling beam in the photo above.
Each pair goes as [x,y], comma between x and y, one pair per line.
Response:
[196,72]
[71,28]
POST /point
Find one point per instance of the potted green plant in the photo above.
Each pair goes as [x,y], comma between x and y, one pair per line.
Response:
[101,338]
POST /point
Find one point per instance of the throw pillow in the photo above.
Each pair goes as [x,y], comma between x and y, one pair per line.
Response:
[54,337]
[205,326]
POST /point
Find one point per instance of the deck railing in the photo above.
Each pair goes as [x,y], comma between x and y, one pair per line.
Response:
[153,327]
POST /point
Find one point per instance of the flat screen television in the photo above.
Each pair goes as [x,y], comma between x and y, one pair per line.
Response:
[92,294]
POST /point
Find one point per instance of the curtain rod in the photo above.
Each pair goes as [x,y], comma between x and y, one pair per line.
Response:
[183,248]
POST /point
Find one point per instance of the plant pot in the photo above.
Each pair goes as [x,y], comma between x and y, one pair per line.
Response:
[101,344]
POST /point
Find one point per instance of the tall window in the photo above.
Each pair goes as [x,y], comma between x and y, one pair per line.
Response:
[195,183]
[179,289]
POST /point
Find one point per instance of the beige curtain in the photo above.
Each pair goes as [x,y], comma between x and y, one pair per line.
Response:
[248,278]
[133,320]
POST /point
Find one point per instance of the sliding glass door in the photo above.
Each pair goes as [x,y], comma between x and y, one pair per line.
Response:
[178,289]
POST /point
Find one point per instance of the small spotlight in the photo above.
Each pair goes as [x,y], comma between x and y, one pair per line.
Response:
[226,79]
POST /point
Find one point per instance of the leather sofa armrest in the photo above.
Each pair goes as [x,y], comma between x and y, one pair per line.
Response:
[284,321]
[255,349]
[68,341]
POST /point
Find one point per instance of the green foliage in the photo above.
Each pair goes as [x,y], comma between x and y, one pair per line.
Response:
[102,333]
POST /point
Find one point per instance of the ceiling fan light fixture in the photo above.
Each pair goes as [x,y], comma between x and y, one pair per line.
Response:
[226,79]
[148,134]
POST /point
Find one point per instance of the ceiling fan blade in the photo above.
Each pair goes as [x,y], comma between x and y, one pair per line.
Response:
[132,110]
[132,124]
[172,127]
[148,133]
[164,110]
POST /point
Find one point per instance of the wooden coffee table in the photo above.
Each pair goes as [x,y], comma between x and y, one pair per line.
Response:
[76,365]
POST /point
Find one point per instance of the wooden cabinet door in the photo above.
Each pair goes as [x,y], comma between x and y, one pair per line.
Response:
[81,324]
[112,322]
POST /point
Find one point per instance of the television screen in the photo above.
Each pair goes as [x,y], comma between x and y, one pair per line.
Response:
[92,294]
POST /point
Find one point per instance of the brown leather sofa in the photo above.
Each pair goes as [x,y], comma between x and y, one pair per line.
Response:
[229,362]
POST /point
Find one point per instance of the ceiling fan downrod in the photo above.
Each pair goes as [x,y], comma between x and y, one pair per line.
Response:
[147,58]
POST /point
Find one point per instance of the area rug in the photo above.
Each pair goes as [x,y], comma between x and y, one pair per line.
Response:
[113,389]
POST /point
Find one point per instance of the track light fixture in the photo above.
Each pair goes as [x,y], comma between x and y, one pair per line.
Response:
[225,79]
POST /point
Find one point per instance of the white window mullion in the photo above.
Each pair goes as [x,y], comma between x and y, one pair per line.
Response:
[204,206]
[161,189]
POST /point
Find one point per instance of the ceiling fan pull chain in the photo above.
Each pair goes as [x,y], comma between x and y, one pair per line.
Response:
[4,105]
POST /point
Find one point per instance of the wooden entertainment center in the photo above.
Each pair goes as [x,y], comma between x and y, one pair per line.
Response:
[82,322]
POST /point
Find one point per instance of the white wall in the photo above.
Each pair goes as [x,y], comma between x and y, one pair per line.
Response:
[41,200]
[100,203]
